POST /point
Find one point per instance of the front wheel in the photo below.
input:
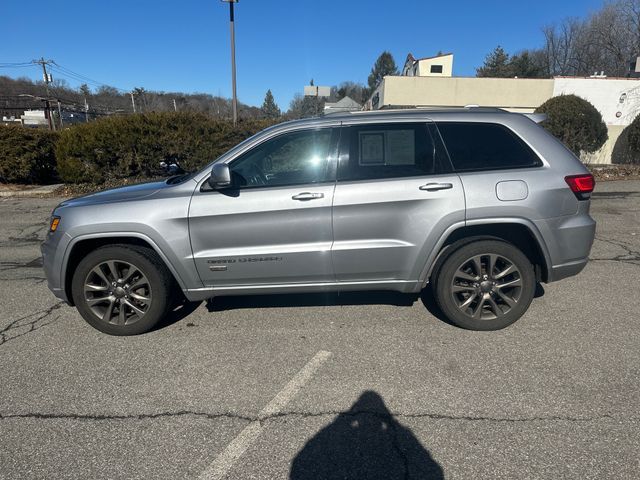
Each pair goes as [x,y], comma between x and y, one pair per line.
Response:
[485,285]
[122,289]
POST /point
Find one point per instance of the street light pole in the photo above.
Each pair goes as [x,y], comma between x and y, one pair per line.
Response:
[234,101]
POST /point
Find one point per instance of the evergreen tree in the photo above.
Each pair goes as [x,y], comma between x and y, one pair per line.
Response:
[496,64]
[528,64]
[269,108]
[85,90]
[385,65]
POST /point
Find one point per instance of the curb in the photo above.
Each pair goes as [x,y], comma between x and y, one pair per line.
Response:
[32,192]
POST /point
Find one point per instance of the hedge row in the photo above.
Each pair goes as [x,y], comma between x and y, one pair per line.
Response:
[27,155]
[134,145]
[117,147]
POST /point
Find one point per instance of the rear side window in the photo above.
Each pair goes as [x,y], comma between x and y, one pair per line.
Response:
[485,146]
[387,151]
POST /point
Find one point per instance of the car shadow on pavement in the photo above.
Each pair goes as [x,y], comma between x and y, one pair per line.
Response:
[219,304]
[365,442]
[182,310]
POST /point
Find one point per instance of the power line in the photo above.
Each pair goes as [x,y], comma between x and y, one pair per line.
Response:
[15,65]
[79,76]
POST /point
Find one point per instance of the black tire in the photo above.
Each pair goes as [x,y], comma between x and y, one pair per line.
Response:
[484,300]
[158,287]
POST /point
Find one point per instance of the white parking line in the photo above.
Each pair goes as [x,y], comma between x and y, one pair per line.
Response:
[223,463]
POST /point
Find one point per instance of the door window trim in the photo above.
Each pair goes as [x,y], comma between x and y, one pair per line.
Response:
[513,133]
[332,160]
[442,162]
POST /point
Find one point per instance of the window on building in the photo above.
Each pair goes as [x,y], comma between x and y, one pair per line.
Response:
[485,146]
[436,68]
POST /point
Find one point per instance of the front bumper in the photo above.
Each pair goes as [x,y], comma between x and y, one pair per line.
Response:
[52,264]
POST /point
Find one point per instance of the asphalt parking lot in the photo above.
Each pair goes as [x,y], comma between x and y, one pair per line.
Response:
[367,385]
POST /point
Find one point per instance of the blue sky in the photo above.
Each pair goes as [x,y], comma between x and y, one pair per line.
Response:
[184,46]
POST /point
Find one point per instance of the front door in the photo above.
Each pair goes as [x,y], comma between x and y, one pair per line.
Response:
[394,198]
[273,226]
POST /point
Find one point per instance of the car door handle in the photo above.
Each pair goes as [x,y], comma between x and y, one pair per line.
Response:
[307,196]
[432,187]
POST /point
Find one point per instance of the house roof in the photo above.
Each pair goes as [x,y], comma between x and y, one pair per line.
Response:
[435,56]
[345,102]
[412,59]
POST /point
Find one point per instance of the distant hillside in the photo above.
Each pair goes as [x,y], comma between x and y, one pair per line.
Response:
[17,94]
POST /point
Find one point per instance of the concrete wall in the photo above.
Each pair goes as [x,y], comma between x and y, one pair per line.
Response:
[617,99]
[510,93]
[603,156]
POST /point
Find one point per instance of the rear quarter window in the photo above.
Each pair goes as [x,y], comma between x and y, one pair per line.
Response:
[485,146]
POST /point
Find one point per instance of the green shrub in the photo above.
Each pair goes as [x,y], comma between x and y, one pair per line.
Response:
[134,145]
[27,155]
[576,122]
[627,147]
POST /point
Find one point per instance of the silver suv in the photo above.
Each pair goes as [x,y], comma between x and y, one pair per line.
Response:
[477,204]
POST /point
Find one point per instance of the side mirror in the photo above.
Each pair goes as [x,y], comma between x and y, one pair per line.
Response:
[220,176]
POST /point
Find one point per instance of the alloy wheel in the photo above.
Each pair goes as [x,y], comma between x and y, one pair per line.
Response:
[117,292]
[486,286]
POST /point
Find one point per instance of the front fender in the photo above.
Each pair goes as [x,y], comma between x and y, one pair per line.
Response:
[175,266]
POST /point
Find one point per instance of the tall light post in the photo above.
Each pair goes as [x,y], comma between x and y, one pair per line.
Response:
[233,60]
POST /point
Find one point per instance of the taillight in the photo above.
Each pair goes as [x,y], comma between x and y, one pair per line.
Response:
[581,185]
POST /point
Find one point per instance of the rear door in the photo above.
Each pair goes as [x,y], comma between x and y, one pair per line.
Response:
[394,198]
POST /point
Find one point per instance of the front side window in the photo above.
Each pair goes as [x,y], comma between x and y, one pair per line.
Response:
[390,150]
[485,146]
[289,159]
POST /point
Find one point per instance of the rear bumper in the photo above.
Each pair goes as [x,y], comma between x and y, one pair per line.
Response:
[558,272]
[569,240]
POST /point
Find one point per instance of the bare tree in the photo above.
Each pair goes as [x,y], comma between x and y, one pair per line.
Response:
[605,41]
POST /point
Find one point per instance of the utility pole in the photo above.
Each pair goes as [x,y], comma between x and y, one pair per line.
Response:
[86,110]
[133,102]
[60,114]
[47,79]
[233,60]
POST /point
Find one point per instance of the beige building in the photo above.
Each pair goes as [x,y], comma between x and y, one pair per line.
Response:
[515,94]
[617,99]
[440,65]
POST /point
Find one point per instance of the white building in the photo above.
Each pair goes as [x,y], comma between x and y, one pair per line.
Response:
[34,118]
[617,99]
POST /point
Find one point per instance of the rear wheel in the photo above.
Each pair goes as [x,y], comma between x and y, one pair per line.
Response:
[485,285]
[122,290]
